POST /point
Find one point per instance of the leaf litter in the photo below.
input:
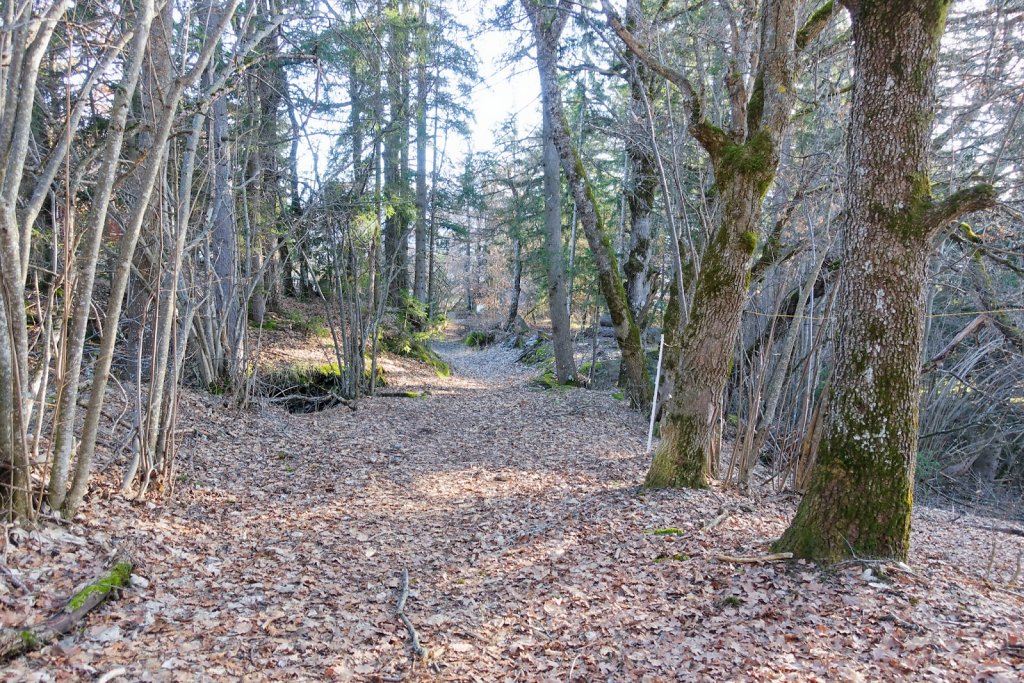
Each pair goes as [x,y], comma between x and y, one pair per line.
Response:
[531,553]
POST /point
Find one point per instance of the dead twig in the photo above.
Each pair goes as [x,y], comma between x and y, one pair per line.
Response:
[755,559]
[1013,531]
[724,512]
[414,639]
[13,578]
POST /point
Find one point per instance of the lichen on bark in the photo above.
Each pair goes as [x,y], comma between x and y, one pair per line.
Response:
[859,500]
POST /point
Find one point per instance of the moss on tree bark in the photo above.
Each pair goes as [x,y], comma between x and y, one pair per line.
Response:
[860,497]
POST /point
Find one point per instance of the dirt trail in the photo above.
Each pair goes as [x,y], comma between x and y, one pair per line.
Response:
[531,552]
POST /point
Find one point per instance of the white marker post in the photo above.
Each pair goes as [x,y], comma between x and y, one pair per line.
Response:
[654,401]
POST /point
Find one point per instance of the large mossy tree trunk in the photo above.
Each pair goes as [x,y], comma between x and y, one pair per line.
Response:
[627,333]
[689,422]
[861,490]
[745,160]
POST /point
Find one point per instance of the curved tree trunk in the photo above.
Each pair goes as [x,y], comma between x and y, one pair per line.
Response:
[689,424]
[861,490]
[547,27]
[745,161]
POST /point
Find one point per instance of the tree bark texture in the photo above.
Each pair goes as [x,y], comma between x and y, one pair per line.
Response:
[561,332]
[745,162]
[859,499]
[641,180]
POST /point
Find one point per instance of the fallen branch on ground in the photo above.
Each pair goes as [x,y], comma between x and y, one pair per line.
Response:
[754,560]
[724,512]
[401,394]
[15,641]
[414,639]
[1013,531]
[13,578]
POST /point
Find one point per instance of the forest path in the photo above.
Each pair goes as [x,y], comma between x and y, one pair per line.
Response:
[531,554]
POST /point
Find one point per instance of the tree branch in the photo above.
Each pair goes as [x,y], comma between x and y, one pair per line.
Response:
[15,641]
[690,99]
[815,24]
[976,198]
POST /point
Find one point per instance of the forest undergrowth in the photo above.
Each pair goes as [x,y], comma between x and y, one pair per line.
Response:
[530,550]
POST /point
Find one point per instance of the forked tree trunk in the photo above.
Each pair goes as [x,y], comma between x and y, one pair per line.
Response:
[745,160]
[861,490]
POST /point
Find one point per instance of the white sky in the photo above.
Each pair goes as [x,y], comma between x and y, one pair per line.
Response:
[506,88]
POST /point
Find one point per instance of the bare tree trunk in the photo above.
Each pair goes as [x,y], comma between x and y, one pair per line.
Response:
[422,90]
[860,496]
[517,284]
[228,323]
[561,332]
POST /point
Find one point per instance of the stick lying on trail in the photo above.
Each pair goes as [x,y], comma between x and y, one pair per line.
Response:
[14,641]
[414,639]
[754,560]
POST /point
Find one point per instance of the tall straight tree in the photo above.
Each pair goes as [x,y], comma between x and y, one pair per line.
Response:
[561,331]
[861,491]
[547,21]
[745,159]
[396,154]
[548,33]
[423,85]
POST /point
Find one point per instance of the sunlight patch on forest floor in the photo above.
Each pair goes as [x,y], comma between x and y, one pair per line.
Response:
[530,550]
